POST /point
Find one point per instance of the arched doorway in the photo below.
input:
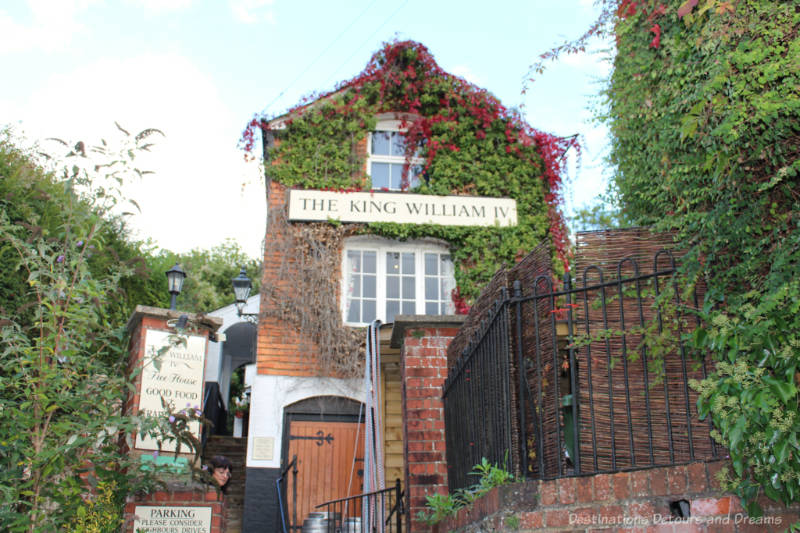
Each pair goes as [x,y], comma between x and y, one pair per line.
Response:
[325,434]
[239,349]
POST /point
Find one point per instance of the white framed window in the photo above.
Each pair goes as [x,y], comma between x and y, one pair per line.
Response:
[383,278]
[386,147]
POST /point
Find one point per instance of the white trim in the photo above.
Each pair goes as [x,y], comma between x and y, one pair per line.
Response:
[272,394]
[381,246]
[393,124]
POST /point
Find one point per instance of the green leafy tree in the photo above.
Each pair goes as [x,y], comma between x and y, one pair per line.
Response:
[703,107]
[34,198]
[63,365]
[209,274]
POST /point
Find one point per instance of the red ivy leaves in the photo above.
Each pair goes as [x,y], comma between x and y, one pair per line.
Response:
[626,8]
[656,42]
[462,308]
[402,71]
[686,8]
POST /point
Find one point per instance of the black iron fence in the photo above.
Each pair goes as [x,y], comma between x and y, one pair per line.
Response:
[477,394]
[374,512]
[288,516]
[579,380]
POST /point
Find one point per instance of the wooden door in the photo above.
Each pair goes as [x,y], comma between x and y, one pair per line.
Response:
[330,462]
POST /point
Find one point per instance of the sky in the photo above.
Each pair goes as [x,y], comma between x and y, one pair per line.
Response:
[199,70]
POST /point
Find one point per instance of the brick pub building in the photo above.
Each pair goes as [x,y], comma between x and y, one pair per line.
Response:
[392,198]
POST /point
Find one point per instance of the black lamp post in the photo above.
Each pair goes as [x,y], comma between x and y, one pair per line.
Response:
[241,290]
[175,277]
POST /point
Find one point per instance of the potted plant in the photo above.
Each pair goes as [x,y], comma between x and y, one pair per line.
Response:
[241,406]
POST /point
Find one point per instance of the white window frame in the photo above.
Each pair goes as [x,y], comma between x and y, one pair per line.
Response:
[381,247]
[388,125]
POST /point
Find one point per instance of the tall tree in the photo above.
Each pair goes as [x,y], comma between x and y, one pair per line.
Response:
[63,364]
[704,113]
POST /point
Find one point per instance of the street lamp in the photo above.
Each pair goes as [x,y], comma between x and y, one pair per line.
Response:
[241,291]
[175,277]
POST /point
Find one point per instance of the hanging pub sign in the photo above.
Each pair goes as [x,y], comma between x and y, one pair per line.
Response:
[175,375]
[404,208]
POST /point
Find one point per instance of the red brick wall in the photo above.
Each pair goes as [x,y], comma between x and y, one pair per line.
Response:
[180,498]
[282,350]
[423,371]
[625,502]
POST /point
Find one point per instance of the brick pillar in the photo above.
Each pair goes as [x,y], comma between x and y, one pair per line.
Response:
[146,319]
[423,368]
[182,505]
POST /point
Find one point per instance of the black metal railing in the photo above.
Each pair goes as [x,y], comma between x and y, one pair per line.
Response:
[213,411]
[374,512]
[477,399]
[288,521]
[589,395]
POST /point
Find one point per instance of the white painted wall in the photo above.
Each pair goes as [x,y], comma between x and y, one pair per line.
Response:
[217,369]
[271,394]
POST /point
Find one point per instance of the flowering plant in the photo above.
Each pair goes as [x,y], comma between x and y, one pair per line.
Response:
[241,405]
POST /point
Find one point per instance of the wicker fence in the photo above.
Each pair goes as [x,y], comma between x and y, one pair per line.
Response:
[558,380]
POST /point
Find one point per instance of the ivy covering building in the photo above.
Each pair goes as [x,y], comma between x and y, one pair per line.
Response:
[398,193]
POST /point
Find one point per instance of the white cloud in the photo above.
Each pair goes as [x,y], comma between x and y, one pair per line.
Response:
[162,6]
[197,197]
[465,72]
[52,25]
[253,11]
[593,61]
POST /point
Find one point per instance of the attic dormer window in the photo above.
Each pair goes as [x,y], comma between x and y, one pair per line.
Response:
[387,157]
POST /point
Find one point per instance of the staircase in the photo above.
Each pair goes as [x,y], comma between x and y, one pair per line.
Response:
[234,449]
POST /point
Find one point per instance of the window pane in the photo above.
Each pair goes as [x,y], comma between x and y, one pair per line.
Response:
[408,263]
[380,175]
[409,308]
[396,179]
[408,287]
[392,263]
[355,285]
[392,309]
[398,143]
[352,310]
[369,263]
[380,142]
[369,311]
[414,176]
[431,264]
[447,290]
[369,286]
[392,287]
[447,266]
[353,261]
[431,292]
[431,308]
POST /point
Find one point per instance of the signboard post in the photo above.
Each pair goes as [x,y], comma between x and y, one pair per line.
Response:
[177,377]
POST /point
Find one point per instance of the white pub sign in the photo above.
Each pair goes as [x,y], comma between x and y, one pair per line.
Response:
[170,519]
[375,206]
[178,379]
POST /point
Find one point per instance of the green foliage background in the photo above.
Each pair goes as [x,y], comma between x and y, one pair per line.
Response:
[32,196]
[704,111]
[71,277]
